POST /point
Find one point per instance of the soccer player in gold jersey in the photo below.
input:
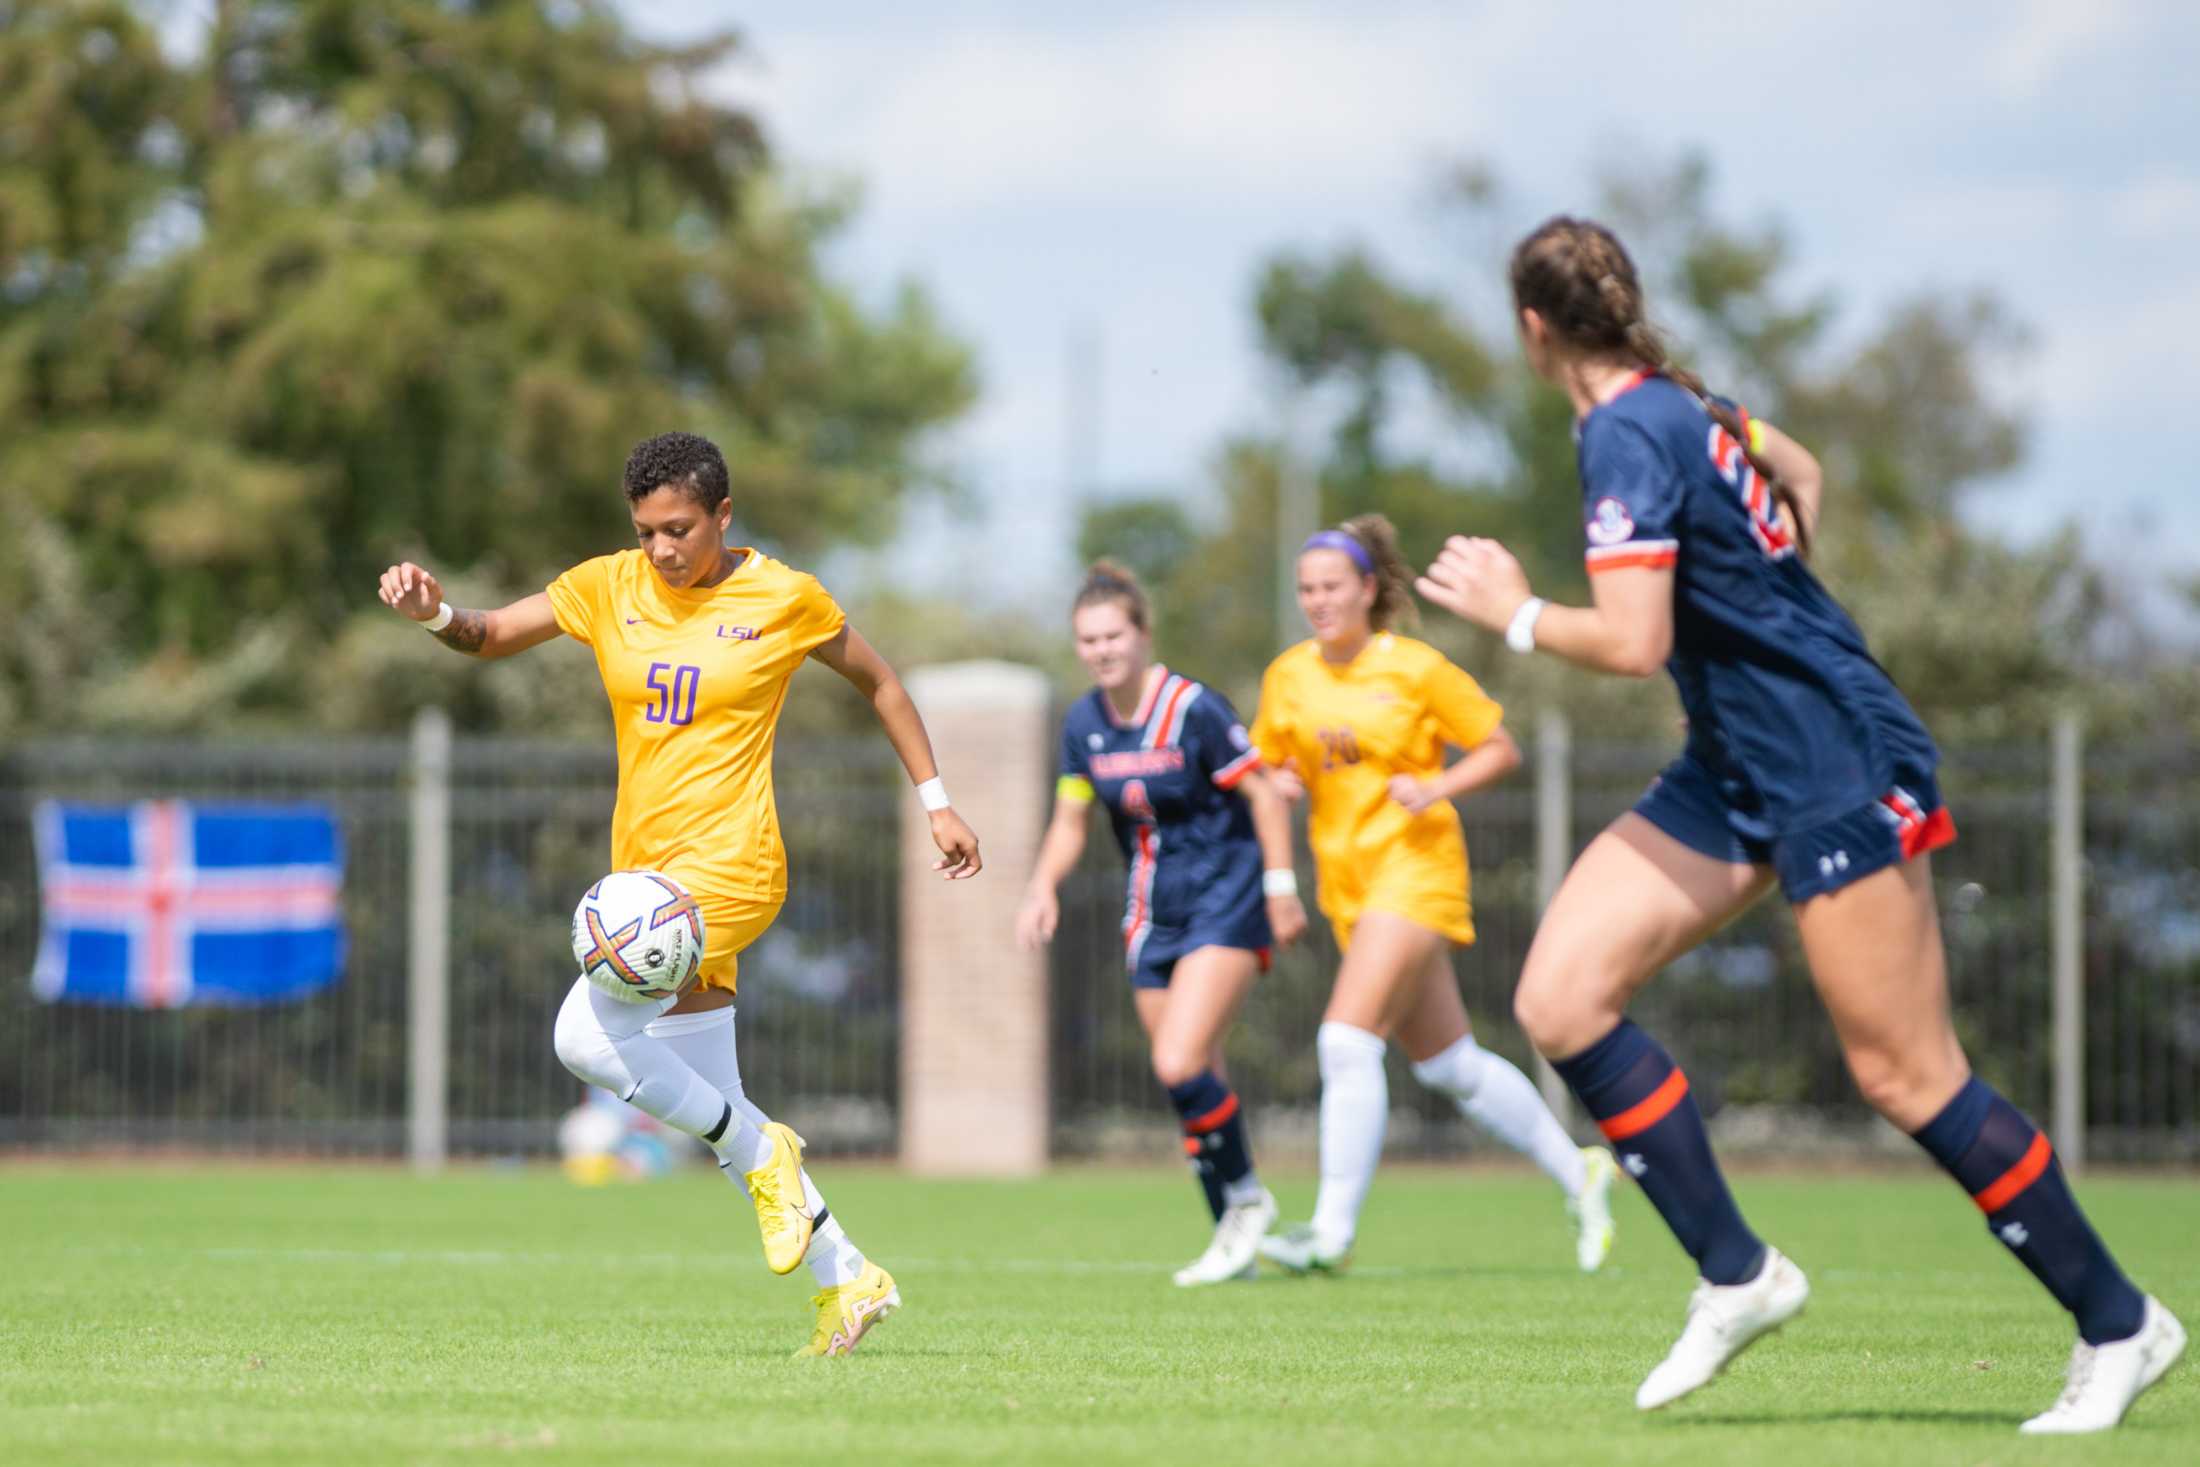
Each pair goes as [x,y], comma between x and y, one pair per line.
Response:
[696,642]
[1357,719]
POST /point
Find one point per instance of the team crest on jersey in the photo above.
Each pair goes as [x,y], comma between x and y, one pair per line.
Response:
[1094,741]
[1239,738]
[1610,523]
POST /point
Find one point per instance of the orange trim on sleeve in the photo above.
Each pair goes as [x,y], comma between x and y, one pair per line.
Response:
[1654,559]
[1646,1112]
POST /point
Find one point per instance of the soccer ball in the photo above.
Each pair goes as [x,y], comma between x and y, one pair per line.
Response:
[638,936]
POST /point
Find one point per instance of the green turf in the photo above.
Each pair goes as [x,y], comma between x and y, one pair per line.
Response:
[277,1316]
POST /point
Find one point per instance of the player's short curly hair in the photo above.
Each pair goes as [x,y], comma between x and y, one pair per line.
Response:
[684,461]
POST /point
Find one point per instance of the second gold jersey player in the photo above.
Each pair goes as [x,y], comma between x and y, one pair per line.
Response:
[1358,717]
[696,642]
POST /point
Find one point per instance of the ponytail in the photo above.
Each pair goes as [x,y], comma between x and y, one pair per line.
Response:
[1393,577]
[1575,274]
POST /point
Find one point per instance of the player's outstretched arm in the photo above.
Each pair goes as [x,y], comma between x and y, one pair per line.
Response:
[1627,632]
[1059,852]
[858,661]
[415,594]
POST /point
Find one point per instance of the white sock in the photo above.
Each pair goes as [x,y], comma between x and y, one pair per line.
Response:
[1355,1109]
[1490,1091]
[833,1258]
[707,1043]
[600,1039]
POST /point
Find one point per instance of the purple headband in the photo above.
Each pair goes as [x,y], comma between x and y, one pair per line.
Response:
[1339,540]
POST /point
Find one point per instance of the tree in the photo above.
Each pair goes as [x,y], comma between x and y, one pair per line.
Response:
[1432,419]
[365,281]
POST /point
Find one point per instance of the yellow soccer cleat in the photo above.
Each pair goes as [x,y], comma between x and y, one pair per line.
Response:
[782,1203]
[847,1312]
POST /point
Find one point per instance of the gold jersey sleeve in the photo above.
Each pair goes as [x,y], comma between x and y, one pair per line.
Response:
[1350,729]
[696,681]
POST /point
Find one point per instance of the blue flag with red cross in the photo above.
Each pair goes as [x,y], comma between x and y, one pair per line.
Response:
[165,903]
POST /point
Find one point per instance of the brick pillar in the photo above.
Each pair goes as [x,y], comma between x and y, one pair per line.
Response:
[974,1032]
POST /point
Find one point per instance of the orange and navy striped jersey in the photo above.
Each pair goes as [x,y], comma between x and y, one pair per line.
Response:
[696,680]
[1391,710]
[1786,708]
[1168,778]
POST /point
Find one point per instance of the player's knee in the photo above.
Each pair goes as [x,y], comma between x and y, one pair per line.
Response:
[1905,1091]
[1555,1016]
[1174,1064]
[1346,1049]
[582,1045]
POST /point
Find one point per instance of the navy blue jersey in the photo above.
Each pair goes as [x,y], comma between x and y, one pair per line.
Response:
[1168,779]
[1787,710]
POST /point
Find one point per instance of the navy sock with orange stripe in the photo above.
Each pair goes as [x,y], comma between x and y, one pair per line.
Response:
[1214,1136]
[2007,1166]
[1640,1099]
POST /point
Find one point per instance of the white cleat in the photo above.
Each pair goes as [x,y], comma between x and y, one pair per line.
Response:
[1722,1321]
[1300,1249]
[2105,1379]
[1592,1210]
[1236,1245]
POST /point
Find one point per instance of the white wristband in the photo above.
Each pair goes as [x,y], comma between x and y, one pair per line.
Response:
[441,619]
[1520,634]
[932,794]
[1281,881]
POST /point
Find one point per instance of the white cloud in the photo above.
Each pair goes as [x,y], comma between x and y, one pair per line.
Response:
[2042,37]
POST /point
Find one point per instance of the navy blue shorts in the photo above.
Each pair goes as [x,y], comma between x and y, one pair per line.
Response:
[1152,959]
[1908,820]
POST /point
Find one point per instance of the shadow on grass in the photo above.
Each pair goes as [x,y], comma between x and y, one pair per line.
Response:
[1915,1416]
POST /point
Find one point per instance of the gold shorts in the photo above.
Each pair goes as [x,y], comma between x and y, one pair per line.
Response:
[1429,892]
[730,924]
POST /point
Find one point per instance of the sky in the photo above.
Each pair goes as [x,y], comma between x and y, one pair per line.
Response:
[1088,191]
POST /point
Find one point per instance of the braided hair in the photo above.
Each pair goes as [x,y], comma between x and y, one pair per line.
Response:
[1575,274]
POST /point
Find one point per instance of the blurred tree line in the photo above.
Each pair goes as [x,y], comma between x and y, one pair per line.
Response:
[361,281]
[1415,401]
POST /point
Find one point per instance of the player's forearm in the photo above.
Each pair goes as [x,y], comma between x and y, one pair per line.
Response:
[1480,767]
[1059,852]
[468,632]
[1590,637]
[897,714]
[1271,823]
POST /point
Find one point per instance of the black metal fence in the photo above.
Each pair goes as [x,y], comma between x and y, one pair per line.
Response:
[818,1020]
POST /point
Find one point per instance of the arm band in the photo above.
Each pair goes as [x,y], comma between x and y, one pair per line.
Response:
[932,794]
[1279,881]
[441,619]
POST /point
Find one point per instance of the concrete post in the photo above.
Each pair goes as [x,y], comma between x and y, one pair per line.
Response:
[2066,859]
[428,956]
[975,1035]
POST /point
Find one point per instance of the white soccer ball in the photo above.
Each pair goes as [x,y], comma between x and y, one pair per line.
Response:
[638,936]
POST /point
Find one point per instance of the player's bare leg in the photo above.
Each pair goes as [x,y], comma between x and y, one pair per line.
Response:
[1876,955]
[1185,1023]
[1635,900]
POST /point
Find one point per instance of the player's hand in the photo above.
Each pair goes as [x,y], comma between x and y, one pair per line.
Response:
[1415,794]
[1476,580]
[958,846]
[410,591]
[1285,778]
[1037,919]
[1287,918]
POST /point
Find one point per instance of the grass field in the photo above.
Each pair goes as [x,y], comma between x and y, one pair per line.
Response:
[357,1316]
